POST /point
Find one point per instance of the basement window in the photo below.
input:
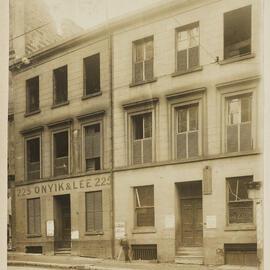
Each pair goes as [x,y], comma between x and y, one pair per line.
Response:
[237,32]
[61,153]
[60,85]
[33,249]
[144,252]
[92,74]
[33,158]
[32,95]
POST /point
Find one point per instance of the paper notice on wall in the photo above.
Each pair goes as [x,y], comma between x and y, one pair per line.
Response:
[211,222]
[169,221]
[120,230]
[50,227]
[74,235]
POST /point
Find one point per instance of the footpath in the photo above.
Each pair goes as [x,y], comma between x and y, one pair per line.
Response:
[83,263]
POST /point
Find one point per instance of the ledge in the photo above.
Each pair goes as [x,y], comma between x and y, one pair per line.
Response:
[236,82]
[82,117]
[186,92]
[32,130]
[240,227]
[144,230]
[94,233]
[180,73]
[237,58]
[133,84]
[59,104]
[33,235]
[27,114]
[84,97]
[141,103]
[64,122]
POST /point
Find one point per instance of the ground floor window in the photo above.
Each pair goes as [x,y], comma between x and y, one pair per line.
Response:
[33,216]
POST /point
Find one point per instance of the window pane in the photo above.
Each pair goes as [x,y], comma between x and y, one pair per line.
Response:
[139,52]
[32,86]
[138,127]
[92,74]
[145,217]
[147,125]
[94,211]
[193,117]
[182,120]
[61,144]
[147,150]
[241,212]
[92,141]
[181,145]
[245,137]
[33,150]
[234,111]
[33,216]
[194,37]
[137,152]
[182,42]
[60,85]
[144,196]
[182,60]
[245,109]
[193,59]
[149,50]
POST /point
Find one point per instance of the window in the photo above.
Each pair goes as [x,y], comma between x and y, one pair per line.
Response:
[142,138]
[144,206]
[143,60]
[92,142]
[238,126]
[240,207]
[61,153]
[187,47]
[237,32]
[33,216]
[92,74]
[187,131]
[60,85]
[94,212]
[32,95]
[33,158]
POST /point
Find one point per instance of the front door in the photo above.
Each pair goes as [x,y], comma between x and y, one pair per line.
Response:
[62,222]
[191,216]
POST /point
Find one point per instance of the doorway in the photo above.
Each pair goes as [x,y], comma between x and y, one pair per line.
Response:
[62,219]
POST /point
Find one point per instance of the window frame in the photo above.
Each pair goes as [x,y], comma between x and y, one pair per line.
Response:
[35,234]
[83,126]
[54,86]
[27,110]
[26,139]
[145,207]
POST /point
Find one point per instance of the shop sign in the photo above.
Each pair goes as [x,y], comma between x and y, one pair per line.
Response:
[120,230]
[50,227]
[211,222]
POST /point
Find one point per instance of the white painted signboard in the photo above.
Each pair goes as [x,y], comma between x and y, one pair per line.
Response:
[50,227]
[120,230]
[211,222]
[169,221]
[74,235]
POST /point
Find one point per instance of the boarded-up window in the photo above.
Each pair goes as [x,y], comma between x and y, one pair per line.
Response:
[187,131]
[33,216]
[142,138]
[240,207]
[92,74]
[237,32]
[238,129]
[33,158]
[61,153]
[60,85]
[187,47]
[92,147]
[94,211]
[32,94]
[143,60]
[144,206]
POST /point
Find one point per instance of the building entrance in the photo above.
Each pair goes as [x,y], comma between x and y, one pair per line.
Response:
[62,219]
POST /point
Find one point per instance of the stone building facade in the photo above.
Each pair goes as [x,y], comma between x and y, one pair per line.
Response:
[165,149]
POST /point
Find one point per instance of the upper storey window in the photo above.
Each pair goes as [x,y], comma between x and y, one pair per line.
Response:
[32,95]
[60,85]
[237,32]
[143,60]
[92,74]
[187,46]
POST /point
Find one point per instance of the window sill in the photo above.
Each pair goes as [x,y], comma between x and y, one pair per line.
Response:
[33,235]
[237,58]
[59,104]
[31,113]
[179,73]
[92,95]
[94,233]
[143,230]
[133,84]
[240,227]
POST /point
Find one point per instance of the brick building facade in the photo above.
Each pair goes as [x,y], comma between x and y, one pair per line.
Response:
[149,128]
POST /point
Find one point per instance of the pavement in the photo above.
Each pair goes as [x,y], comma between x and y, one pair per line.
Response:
[83,263]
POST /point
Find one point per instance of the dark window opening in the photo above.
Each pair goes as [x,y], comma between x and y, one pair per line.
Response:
[144,252]
[93,147]
[33,159]
[61,153]
[33,249]
[237,32]
[92,74]
[60,85]
[32,95]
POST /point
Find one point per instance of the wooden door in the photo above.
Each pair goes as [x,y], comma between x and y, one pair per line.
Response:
[192,227]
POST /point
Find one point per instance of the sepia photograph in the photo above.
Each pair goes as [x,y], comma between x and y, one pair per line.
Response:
[135,134]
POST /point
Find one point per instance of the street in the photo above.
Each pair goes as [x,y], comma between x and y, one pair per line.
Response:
[26,268]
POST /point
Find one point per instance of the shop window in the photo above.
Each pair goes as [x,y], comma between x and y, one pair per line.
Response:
[92,147]
[143,61]
[239,123]
[33,158]
[144,206]
[32,95]
[240,207]
[187,131]
[61,153]
[142,138]
[94,211]
[33,216]
[237,32]
[92,74]
[60,85]
[187,46]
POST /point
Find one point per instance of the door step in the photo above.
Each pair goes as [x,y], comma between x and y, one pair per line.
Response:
[189,255]
[62,251]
